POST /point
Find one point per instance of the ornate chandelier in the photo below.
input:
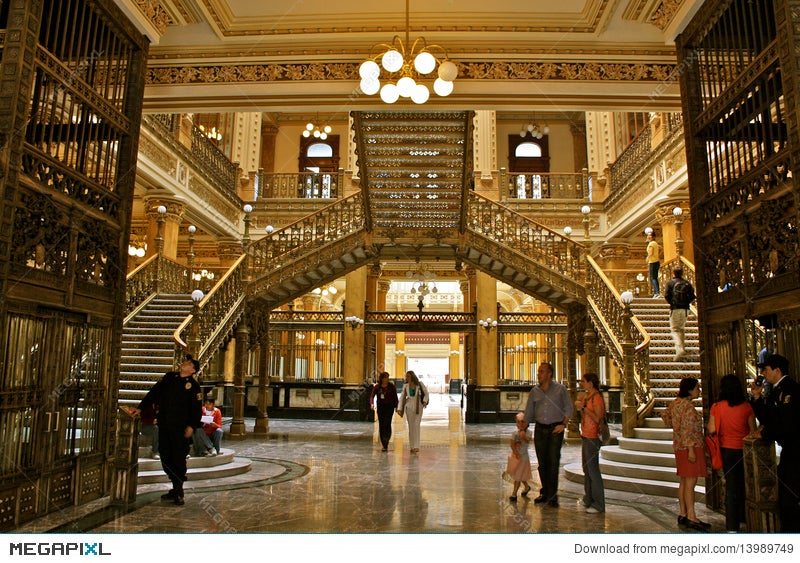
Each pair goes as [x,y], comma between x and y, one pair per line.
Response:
[423,284]
[407,65]
[313,129]
[536,131]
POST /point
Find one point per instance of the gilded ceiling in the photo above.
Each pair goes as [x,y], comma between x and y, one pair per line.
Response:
[240,55]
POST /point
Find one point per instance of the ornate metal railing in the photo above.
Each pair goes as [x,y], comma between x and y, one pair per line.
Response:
[532,185]
[534,241]
[214,317]
[626,340]
[202,156]
[330,224]
[302,185]
[639,158]
[155,275]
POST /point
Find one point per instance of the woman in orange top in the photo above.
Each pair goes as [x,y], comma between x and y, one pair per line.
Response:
[593,409]
[733,419]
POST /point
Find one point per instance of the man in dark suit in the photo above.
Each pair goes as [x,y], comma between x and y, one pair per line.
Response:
[180,402]
[779,415]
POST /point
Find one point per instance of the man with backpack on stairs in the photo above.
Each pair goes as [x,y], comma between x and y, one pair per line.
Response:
[680,295]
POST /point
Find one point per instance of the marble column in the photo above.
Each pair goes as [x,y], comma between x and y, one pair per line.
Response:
[169,229]
[380,337]
[353,363]
[237,431]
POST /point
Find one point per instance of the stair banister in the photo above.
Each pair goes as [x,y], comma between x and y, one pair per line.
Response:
[216,315]
[154,275]
[621,332]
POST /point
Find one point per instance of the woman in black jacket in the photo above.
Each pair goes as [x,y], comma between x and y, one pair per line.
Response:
[386,393]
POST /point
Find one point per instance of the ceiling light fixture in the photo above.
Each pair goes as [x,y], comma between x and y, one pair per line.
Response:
[407,63]
[536,131]
[314,130]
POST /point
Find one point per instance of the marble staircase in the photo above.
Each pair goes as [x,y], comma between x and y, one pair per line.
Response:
[217,467]
[148,350]
[645,463]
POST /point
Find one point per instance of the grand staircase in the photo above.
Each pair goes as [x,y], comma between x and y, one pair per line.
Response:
[646,463]
[148,351]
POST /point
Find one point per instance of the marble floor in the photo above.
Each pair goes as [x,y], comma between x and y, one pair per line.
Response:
[332,477]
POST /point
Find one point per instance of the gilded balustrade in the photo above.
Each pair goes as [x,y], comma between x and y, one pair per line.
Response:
[535,242]
[531,185]
[302,185]
[154,275]
[203,156]
[626,340]
[215,317]
[328,225]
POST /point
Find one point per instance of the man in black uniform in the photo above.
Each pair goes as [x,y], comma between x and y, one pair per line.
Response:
[179,401]
[779,414]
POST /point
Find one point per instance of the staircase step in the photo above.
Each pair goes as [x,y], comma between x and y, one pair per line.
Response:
[658,446]
[574,472]
[638,457]
[195,472]
[653,433]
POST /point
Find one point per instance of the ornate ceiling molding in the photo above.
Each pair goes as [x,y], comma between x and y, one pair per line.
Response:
[155,13]
[663,15]
[352,18]
[265,73]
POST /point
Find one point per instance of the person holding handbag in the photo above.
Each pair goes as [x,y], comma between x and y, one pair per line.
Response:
[386,393]
[732,419]
[413,400]
[593,409]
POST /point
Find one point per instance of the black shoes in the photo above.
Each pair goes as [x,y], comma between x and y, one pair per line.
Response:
[683,521]
[539,500]
[553,503]
[698,525]
[512,499]
[173,497]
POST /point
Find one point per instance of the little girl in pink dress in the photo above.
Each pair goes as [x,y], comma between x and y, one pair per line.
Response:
[519,463]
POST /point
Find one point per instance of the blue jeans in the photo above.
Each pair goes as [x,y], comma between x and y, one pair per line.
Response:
[654,267]
[203,442]
[594,494]
[548,453]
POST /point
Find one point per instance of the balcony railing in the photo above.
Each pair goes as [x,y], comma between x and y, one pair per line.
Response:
[303,185]
[531,185]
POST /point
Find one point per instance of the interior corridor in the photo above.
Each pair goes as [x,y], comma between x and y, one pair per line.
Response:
[331,477]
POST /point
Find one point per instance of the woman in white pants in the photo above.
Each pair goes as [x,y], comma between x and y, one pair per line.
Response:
[413,400]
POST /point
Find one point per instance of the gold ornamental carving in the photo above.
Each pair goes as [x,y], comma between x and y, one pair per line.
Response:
[665,13]
[500,70]
[155,13]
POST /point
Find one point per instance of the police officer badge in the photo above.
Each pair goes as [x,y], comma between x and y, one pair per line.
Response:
[188,386]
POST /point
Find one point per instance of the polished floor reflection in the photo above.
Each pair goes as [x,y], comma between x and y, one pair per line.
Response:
[328,476]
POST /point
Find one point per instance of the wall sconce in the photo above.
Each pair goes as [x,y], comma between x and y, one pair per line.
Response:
[648,230]
[531,344]
[320,342]
[487,323]
[454,352]
[354,321]
[399,352]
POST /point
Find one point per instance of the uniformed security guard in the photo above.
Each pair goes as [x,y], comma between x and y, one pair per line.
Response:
[779,414]
[179,400]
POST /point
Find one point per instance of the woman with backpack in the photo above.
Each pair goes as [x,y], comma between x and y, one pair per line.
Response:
[413,400]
